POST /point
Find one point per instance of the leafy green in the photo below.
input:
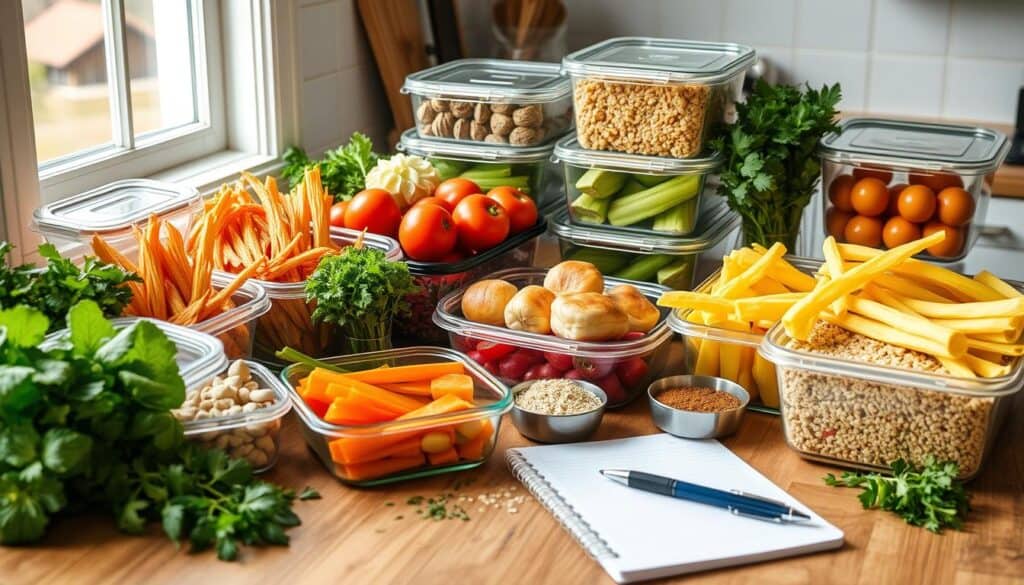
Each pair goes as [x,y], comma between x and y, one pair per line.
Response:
[361,291]
[54,289]
[770,166]
[85,424]
[342,170]
[930,497]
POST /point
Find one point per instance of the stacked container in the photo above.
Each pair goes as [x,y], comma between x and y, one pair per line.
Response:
[110,212]
[886,182]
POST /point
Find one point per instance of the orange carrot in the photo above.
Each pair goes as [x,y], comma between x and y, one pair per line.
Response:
[444,457]
[406,448]
[380,468]
[348,411]
[460,385]
[414,373]
[474,448]
[409,388]
[379,396]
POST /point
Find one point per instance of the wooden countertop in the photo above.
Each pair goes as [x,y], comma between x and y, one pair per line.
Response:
[353,536]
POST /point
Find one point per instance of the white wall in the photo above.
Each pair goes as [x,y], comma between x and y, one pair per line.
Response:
[959,59]
[340,91]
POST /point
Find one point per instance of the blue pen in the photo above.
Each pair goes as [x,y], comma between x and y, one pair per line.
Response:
[737,502]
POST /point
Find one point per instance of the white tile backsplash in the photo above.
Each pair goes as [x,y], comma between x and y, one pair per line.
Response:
[320,111]
[906,84]
[983,90]
[318,39]
[988,28]
[757,22]
[691,19]
[911,26]
[833,24]
[849,69]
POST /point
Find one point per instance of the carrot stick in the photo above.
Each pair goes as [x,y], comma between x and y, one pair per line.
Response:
[409,388]
[405,448]
[380,468]
[413,373]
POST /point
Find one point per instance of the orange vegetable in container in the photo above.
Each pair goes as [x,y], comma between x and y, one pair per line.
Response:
[836,220]
[899,231]
[956,206]
[866,231]
[936,181]
[917,204]
[949,247]
[869,196]
[881,174]
[839,192]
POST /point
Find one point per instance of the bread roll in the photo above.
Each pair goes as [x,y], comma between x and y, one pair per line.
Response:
[642,313]
[587,316]
[573,276]
[484,301]
[530,310]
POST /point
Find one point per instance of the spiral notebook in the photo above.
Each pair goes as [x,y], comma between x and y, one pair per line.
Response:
[637,535]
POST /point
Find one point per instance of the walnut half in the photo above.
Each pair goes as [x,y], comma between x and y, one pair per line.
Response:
[529,116]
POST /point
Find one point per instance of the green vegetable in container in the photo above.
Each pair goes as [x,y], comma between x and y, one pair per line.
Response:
[362,292]
[342,170]
[645,267]
[607,261]
[600,184]
[636,207]
[589,209]
[771,168]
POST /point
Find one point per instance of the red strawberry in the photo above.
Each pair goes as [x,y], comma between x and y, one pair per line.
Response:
[632,372]
[560,361]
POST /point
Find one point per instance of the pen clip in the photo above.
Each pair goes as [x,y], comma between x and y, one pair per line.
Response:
[760,498]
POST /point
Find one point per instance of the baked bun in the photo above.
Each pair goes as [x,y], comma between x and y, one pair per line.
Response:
[573,276]
[484,301]
[530,310]
[588,316]
[642,313]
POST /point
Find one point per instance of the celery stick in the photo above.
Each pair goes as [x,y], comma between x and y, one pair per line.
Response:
[679,219]
[599,183]
[447,168]
[677,275]
[607,261]
[487,171]
[649,180]
[644,267]
[654,200]
[631,186]
[487,183]
[589,209]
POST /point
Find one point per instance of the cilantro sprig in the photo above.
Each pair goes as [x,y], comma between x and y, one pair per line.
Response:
[342,170]
[770,166]
[930,497]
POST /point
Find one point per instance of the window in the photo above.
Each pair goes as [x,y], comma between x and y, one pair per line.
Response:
[121,86]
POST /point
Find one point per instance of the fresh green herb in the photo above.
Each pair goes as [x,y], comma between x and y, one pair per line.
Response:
[343,170]
[930,497]
[309,493]
[54,289]
[439,508]
[770,166]
[361,291]
[85,425]
[290,354]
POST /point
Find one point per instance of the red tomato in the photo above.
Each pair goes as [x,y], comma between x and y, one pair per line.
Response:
[454,190]
[427,233]
[375,211]
[522,211]
[481,222]
[338,213]
[435,201]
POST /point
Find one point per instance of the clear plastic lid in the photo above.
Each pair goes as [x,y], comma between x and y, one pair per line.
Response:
[915,145]
[448,316]
[255,303]
[412,143]
[569,151]
[678,322]
[266,379]
[486,386]
[491,80]
[654,60]
[713,225]
[113,207]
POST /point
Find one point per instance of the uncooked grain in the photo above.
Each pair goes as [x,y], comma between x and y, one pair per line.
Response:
[870,423]
[557,397]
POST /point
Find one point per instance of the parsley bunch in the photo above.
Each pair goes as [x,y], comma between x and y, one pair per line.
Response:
[770,166]
[361,291]
[930,497]
[85,425]
[53,290]
[343,170]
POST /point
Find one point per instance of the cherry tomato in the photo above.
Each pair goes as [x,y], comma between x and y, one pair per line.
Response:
[880,174]
[375,211]
[338,214]
[522,211]
[936,181]
[481,222]
[437,201]
[427,233]
[454,190]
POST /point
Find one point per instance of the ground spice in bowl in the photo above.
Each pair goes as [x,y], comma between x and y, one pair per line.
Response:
[698,399]
[557,397]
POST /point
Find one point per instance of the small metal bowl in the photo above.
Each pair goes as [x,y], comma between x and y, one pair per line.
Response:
[697,425]
[558,428]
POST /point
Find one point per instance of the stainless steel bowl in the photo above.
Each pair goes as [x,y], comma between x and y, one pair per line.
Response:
[558,428]
[697,425]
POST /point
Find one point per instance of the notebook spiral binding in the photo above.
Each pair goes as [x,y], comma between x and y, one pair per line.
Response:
[591,542]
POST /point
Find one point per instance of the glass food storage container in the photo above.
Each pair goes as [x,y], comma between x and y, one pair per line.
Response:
[387,452]
[528,169]
[851,412]
[887,182]
[238,411]
[512,103]
[674,262]
[658,97]
[110,211]
[635,193]
[288,321]
[623,369]
[756,374]
[236,327]
[437,279]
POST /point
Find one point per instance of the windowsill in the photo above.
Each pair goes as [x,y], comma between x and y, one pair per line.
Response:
[208,173]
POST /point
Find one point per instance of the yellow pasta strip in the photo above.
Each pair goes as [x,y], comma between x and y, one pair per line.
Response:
[834,266]
[765,308]
[982,325]
[783,271]
[886,334]
[755,272]
[985,368]
[976,310]
[768,286]
[697,301]
[1004,337]
[997,284]
[958,368]
[909,288]
[1014,349]
[954,342]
